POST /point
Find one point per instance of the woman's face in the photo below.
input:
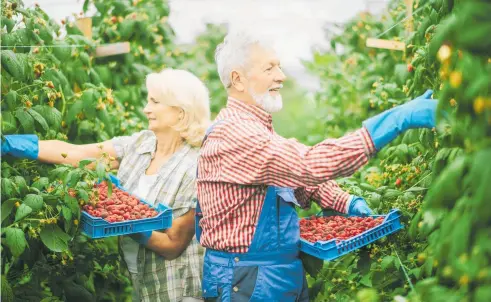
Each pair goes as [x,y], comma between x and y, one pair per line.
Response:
[161,116]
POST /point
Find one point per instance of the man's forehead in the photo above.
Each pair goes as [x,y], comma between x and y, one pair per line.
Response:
[264,55]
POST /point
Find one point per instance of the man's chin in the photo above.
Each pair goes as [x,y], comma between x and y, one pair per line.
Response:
[272,104]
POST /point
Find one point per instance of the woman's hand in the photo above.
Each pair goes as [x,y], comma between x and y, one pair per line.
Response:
[172,242]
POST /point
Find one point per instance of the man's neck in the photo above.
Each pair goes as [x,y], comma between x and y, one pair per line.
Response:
[242,97]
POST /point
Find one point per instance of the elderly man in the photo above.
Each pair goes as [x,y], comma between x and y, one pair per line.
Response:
[250,178]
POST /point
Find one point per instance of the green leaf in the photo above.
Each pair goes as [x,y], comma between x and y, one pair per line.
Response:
[39,118]
[89,101]
[50,299]
[7,207]
[483,293]
[51,115]
[9,189]
[100,171]
[11,99]
[109,188]
[312,265]
[73,177]
[416,189]
[9,123]
[83,163]
[75,109]
[89,283]
[83,195]
[34,201]
[67,213]
[21,184]
[104,118]
[415,272]
[72,204]
[15,240]
[58,173]
[54,238]
[386,262]
[86,5]
[25,120]
[22,211]
[367,280]
[41,183]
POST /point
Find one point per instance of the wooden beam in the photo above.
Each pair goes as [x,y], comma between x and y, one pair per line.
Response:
[112,49]
[386,44]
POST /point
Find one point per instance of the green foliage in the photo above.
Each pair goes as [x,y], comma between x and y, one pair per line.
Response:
[435,177]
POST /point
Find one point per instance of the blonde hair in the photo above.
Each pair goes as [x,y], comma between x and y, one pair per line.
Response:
[186,91]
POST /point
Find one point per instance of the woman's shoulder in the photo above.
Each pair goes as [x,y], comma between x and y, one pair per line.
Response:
[144,135]
[190,161]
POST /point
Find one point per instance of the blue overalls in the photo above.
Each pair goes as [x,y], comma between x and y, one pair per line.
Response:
[271,270]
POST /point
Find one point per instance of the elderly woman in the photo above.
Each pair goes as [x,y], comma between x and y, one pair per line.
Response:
[159,165]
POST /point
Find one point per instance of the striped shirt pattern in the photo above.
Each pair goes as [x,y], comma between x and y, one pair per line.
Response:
[158,279]
[243,155]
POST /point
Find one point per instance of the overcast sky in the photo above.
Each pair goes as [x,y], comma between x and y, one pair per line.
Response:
[296,25]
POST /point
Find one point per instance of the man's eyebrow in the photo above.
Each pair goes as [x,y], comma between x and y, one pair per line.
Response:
[272,63]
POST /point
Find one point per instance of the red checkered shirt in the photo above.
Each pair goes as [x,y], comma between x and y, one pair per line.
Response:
[243,155]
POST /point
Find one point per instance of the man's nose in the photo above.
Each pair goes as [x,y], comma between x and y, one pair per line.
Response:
[280,76]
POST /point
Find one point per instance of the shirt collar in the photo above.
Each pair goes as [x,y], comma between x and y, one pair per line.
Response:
[255,111]
[149,145]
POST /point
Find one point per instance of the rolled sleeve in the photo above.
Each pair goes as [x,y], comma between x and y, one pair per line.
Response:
[123,145]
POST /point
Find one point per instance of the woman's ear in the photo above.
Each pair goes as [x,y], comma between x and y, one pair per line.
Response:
[181,114]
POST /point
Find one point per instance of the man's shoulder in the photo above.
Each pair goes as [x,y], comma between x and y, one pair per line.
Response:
[233,121]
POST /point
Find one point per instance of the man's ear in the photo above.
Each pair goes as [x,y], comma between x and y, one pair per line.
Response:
[237,80]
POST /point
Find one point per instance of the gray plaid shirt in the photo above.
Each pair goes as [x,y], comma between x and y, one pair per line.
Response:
[159,279]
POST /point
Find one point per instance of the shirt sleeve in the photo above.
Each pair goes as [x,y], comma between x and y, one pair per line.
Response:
[247,153]
[123,145]
[186,198]
[328,195]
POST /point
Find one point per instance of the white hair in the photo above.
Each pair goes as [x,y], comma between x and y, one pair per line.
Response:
[184,90]
[234,52]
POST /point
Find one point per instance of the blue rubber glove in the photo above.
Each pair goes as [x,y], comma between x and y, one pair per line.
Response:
[386,126]
[359,207]
[142,238]
[22,146]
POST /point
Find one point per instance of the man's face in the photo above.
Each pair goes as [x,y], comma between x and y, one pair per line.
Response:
[264,78]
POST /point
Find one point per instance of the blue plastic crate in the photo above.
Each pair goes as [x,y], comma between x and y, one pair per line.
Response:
[96,227]
[330,250]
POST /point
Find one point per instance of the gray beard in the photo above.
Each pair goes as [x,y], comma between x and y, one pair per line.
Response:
[269,103]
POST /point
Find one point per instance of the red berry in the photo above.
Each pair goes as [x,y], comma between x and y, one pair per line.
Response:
[410,68]
[398,182]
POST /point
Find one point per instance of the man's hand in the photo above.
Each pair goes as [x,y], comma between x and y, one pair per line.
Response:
[386,126]
[359,207]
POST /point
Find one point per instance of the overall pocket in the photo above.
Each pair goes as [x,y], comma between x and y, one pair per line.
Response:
[243,283]
[210,282]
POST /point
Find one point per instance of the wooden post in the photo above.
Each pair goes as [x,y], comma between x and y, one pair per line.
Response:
[85,26]
[409,12]
[391,44]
